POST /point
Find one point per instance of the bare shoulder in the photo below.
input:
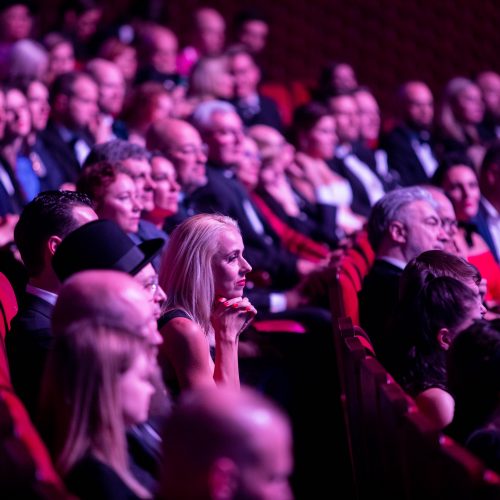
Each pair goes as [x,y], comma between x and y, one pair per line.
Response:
[437,404]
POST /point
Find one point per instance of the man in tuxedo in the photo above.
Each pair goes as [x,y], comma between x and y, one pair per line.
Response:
[353,160]
[111,82]
[253,108]
[74,109]
[487,219]
[43,224]
[402,225]
[410,146]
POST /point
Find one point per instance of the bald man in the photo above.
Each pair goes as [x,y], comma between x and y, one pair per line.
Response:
[111,84]
[207,38]
[181,143]
[410,145]
[220,443]
[159,52]
[115,299]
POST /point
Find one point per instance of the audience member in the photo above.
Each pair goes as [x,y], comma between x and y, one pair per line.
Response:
[247,450]
[207,38]
[460,117]
[252,107]
[489,84]
[68,135]
[426,324]
[252,29]
[61,55]
[403,224]
[473,380]
[313,131]
[458,178]
[148,103]
[205,306]
[354,161]
[43,224]
[487,218]
[96,385]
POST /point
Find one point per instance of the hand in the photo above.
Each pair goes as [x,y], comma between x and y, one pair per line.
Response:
[230,317]
[295,298]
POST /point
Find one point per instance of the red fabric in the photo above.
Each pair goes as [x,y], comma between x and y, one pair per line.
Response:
[279,325]
[24,430]
[9,304]
[489,270]
[295,242]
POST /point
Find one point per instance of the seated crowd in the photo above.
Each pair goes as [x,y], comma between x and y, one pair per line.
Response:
[161,212]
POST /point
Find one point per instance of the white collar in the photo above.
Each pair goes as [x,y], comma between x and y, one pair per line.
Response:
[395,262]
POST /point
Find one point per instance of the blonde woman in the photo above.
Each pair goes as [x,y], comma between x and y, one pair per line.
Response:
[203,274]
[96,385]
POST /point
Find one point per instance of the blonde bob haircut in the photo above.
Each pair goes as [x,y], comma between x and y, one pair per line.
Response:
[80,407]
[186,267]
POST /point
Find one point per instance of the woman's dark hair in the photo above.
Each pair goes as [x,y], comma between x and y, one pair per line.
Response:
[474,376]
[305,118]
[448,162]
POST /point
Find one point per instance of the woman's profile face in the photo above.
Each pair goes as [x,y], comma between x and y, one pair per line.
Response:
[229,267]
[469,105]
[461,185]
[135,390]
[121,204]
[322,138]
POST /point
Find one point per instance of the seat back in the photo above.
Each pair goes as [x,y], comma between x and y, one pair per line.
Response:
[26,470]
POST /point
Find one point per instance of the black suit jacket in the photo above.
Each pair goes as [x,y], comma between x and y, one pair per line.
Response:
[481,222]
[378,299]
[402,158]
[360,201]
[224,194]
[316,220]
[268,114]
[62,153]
[28,343]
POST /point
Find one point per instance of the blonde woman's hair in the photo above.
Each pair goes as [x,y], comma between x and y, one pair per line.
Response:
[448,121]
[80,408]
[186,267]
[202,80]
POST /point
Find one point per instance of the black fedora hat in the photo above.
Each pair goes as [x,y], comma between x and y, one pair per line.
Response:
[101,244]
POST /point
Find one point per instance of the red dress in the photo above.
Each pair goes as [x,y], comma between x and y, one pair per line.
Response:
[490,270]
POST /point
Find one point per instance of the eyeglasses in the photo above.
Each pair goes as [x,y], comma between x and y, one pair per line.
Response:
[191,149]
[152,286]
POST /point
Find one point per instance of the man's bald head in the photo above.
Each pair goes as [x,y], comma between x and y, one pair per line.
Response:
[181,143]
[417,104]
[111,297]
[111,84]
[239,429]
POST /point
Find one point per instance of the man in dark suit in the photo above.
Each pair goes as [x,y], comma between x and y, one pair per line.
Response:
[68,137]
[410,146]
[488,218]
[353,160]
[402,225]
[43,224]
[253,108]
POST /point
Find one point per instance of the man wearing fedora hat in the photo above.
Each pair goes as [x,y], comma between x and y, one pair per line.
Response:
[101,244]
[43,224]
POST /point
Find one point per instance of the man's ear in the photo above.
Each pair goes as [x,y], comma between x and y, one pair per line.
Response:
[444,338]
[52,244]
[397,230]
[223,479]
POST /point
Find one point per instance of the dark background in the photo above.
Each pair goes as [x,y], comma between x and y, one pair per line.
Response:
[387,41]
